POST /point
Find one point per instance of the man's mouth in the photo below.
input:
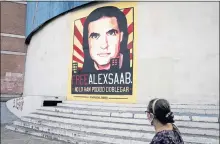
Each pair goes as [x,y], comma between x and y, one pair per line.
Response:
[103,54]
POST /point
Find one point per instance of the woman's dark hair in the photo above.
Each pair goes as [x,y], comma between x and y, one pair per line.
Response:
[161,110]
[107,11]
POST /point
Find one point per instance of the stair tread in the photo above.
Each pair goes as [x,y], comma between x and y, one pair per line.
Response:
[64,139]
[138,105]
[140,122]
[214,125]
[205,118]
[77,133]
[118,126]
[212,113]
[51,136]
[116,107]
[187,138]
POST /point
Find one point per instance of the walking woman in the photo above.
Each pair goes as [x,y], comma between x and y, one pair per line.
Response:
[161,117]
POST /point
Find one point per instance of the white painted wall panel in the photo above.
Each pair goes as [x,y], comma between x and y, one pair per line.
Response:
[47,60]
[178,51]
[177,56]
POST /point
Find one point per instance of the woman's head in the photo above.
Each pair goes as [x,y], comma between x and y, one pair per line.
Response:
[159,109]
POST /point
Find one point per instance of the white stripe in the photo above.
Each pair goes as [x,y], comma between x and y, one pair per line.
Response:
[79,25]
[12,53]
[12,35]
[21,2]
[153,105]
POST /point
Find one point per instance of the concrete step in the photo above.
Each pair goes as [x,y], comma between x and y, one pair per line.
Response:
[108,135]
[188,117]
[128,128]
[89,136]
[82,122]
[139,109]
[97,112]
[47,135]
[89,127]
[130,121]
[173,105]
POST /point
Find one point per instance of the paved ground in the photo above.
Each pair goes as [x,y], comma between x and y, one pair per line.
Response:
[6,115]
[10,137]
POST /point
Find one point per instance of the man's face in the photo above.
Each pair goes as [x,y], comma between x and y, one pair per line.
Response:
[104,39]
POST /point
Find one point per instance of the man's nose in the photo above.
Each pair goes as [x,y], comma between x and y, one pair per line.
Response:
[104,42]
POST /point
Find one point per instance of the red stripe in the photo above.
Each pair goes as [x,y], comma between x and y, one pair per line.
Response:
[130,45]
[80,68]
[125,11]
[79,51]
[83,20]
[130,28]
[78,34]
[77,60]
[131,56]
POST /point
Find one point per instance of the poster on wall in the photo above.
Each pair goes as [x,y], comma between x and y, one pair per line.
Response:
[103,54]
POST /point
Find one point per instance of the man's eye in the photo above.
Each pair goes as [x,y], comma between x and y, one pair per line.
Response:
[94,36]
[112,32]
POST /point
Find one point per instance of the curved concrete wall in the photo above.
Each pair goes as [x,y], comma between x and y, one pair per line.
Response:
[177,54]
[47,60]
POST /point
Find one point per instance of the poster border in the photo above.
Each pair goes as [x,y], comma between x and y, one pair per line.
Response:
[74,16]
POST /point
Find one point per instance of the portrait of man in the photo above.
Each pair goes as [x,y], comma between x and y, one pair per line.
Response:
[102,58]
[103,49]
[105,37]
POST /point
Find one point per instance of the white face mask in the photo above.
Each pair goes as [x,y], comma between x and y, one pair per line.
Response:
[150,117]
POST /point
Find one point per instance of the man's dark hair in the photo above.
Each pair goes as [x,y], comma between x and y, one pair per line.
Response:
[162,110]
[107,11]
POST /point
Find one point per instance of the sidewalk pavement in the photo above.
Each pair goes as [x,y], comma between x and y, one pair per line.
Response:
[11,137]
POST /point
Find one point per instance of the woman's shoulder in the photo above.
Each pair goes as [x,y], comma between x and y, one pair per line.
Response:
[166,137]
[162,135]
